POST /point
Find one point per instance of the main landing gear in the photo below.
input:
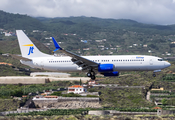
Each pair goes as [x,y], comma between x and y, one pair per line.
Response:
[91,74]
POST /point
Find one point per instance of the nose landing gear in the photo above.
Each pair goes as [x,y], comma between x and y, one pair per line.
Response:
[155,71]
[154,75]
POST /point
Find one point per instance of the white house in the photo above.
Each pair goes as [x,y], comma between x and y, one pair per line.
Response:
[92,82]
[145,45]
[8,34]
[76,89]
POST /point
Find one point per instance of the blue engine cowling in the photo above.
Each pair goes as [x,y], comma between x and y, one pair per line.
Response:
[106,68]
[115,73]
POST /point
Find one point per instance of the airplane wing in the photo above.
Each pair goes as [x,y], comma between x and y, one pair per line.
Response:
[79,60]
[19,57]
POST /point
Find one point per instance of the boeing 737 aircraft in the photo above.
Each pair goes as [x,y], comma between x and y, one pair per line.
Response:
[106,65]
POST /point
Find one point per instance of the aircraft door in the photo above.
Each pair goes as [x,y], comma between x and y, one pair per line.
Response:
[151,61]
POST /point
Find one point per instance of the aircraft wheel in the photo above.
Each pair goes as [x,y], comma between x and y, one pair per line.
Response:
[89,74]
[154,75]
[93,77]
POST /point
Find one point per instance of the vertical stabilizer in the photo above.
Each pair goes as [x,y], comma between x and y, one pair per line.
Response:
[28,49]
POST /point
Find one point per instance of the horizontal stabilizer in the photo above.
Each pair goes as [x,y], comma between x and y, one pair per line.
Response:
[19,57]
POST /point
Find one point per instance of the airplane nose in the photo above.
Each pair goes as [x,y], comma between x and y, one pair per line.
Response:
[167,64]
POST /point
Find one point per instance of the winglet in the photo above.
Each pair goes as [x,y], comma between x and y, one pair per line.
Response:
[56,45]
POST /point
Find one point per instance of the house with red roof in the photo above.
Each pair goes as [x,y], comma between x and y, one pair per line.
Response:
[76,89]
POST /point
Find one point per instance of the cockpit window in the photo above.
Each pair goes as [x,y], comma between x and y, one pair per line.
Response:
[160,59]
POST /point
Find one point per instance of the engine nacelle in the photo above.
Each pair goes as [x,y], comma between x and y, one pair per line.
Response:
[115,73]
[106,68]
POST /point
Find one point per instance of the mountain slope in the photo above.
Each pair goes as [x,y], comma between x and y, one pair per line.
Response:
[92,24]
[17,21]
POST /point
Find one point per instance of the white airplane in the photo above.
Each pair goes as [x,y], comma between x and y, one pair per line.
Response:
[106,65]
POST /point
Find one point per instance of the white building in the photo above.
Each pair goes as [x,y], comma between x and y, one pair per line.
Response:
[92,82]
[145,45]
[76,89]
[7,34]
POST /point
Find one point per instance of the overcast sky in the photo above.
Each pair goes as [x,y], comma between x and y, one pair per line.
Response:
[145,11]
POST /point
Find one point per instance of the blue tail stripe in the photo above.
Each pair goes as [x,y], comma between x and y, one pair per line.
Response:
[56,44]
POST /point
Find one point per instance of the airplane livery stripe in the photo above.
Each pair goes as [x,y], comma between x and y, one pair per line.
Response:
[28,45]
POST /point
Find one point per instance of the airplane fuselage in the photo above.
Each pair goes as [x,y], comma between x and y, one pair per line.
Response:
[120,62]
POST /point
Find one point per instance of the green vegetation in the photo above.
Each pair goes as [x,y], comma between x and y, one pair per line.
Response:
[163,96]
[9,104]
[78,111]
[58,93]
[17,21]
[164,101]
[125,97]
[159,91]
[6,91]
[169,77]
[53,112]
[170,102]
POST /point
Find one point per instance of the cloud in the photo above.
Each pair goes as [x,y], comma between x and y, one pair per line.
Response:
[146,11]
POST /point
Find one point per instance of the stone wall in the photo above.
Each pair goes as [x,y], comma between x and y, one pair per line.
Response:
[114,112]
[165,112]
[23,80]
[37,80]
[68,103]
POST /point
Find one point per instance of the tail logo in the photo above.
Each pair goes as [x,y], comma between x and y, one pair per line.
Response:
[30,49]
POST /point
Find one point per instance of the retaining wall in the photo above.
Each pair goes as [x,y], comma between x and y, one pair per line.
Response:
[37,80]
[67,102]
[165,112]
[23,80]
[114,112]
